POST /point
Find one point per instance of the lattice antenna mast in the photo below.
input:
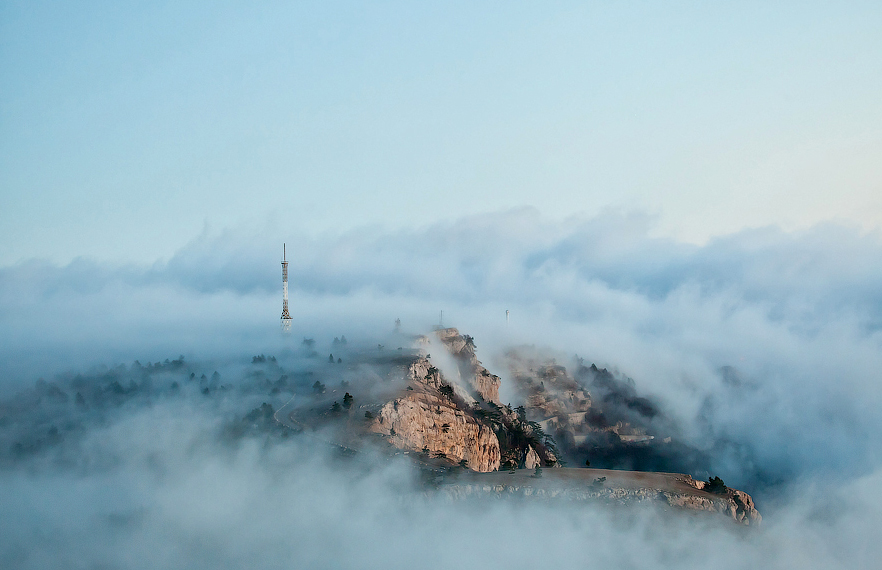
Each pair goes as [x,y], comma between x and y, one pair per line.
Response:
[286,316]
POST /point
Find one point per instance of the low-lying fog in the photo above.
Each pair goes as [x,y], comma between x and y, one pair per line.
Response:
[764,347]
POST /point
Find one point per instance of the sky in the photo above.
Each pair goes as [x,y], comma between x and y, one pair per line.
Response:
[129,129]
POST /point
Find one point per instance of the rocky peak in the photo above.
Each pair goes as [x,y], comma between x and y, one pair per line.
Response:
[484,384]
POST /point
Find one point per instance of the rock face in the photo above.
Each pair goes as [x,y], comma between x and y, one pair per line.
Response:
[429,420]
[531,459]
[610,426]
[737,503]
[462,347]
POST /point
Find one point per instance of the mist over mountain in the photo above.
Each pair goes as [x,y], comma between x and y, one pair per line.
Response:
[762,348]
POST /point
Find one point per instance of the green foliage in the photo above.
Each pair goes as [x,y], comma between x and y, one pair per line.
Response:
[259,359]
[538,472]
[715,485]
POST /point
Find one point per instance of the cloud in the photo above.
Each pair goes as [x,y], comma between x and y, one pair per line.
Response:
[763,346]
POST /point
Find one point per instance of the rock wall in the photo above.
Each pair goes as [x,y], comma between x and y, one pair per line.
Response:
[421,422]
[424,419]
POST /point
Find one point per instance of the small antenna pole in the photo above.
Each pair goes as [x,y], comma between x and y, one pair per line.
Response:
[286,316]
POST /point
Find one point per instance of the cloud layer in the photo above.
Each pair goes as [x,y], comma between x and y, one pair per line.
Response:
[764,346]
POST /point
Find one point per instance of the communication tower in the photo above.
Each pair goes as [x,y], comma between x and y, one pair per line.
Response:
[286,316]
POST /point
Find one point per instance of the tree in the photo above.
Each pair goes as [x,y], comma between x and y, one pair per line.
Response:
[368,415]
[715,485]
[318,388]
[347,400]
[331,358]
[469,341]
[336,407]
[538,472]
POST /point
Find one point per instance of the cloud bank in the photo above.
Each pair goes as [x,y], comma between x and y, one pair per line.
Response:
[764,346]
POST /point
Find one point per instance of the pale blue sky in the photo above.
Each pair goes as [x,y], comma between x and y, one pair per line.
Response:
[126,128]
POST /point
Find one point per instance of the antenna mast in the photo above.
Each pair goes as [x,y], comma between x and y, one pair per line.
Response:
[286,316]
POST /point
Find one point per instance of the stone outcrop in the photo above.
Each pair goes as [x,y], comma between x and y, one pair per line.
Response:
[737,503]
[531,458]
[553,398]
[623,488]
[428,420]
[484,384]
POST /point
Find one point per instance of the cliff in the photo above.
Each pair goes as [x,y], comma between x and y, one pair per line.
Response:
[431,420]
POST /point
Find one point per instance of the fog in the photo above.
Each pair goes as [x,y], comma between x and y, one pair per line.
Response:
[763,347]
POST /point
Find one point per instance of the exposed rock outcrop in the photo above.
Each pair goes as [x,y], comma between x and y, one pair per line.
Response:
[429,420]
[531,458]
[613,487]
[462,347]
[738,504]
